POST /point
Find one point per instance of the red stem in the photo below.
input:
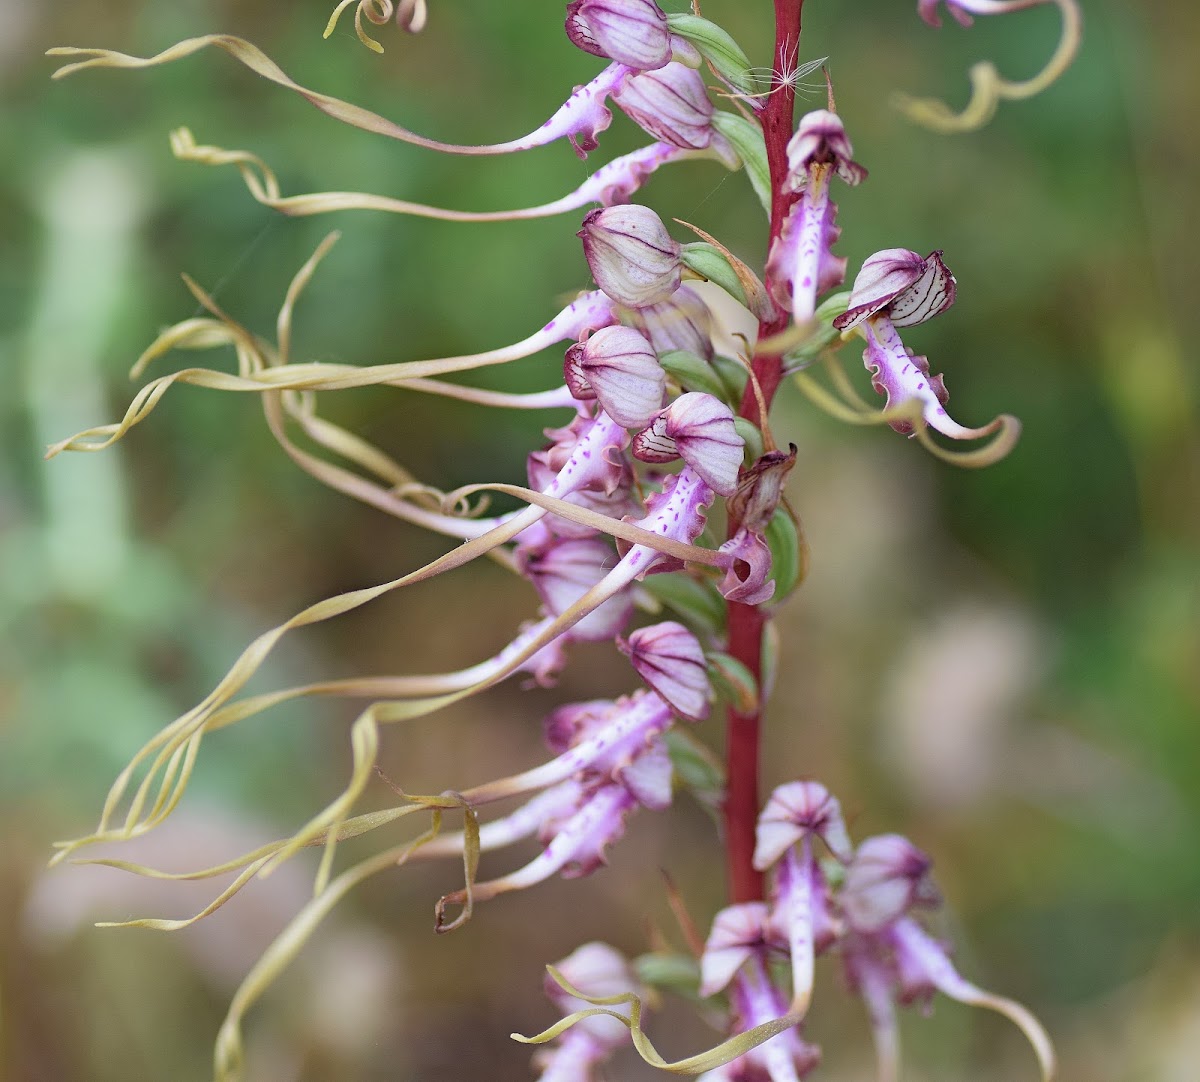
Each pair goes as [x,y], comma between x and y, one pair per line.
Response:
[746,622]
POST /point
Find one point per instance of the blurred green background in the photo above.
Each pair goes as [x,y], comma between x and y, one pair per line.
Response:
[1003,665]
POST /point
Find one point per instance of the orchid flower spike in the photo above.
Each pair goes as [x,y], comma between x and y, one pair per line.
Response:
[802,265]
[598,970]
[988,87]
[899,288]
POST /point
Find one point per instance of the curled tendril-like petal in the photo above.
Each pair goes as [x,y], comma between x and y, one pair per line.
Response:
[172,753]
[247,865]
[989,87]
[613,182]
[588,312]
[229,1055]
[397,492]
[725,1052]
[174,749]
[580,119]
[1005,429]
[376,11]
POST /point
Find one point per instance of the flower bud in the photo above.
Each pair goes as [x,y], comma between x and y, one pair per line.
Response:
[633,258]
[631,32]
[795,810]
[821,138]
[670,659]
[683,321]
[699,429]
[619,368]
[901,285]
[887,876]
[670,103]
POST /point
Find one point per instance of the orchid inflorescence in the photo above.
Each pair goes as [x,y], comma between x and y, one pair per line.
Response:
[669,371]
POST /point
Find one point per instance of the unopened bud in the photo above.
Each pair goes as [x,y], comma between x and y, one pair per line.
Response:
[670,103]
[633,258]
[671,661]
[631,32]
[699,429]
[619,368]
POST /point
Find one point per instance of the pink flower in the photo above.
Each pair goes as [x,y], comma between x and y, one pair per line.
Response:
[671,661]
[699,429]
[633,258]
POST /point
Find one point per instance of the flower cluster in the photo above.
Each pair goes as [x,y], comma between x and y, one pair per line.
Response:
[857,903]
[661,417]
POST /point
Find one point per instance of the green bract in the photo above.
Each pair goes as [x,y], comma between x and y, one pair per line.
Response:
[717,47]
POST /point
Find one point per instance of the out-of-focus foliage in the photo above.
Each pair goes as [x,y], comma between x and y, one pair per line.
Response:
[1002,664]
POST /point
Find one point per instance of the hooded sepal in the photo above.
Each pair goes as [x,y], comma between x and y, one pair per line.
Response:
[738,933]
[699,429]
[899,283]
[671,661]
[887,877]
[632,257]
[671,103]
[795,811]
[563,569]
[631,32]
[681,322]
[620,369]
[821,139]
